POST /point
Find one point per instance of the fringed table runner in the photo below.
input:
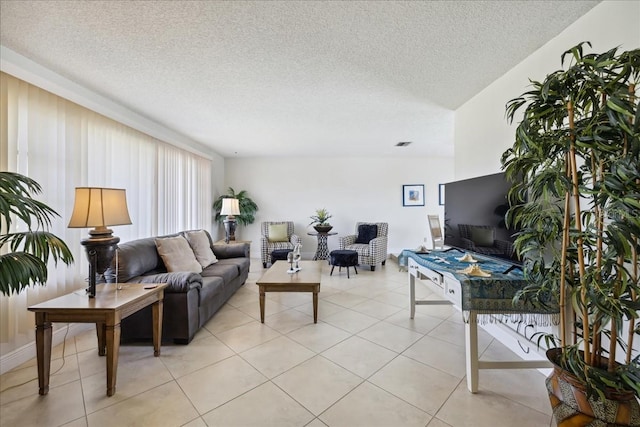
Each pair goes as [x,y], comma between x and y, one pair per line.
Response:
[490,297]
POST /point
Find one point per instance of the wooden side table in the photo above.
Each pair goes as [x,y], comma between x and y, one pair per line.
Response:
[322,251]
[106,310]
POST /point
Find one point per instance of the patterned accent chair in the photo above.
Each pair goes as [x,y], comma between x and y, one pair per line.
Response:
[481,239]
[269,246]
[370,253]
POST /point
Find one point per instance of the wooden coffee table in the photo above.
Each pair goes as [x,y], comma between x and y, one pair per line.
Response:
[276,279]
[106,310]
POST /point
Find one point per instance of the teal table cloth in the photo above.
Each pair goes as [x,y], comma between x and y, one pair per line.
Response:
[487,296]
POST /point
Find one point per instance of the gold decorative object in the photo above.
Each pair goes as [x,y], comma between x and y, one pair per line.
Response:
[474,270]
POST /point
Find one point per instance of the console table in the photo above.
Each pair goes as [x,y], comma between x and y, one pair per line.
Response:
[480,299]
[322,252]
[112,303]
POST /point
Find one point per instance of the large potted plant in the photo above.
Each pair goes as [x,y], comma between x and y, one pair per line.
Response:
[23,261]
[248,207]
[576,199]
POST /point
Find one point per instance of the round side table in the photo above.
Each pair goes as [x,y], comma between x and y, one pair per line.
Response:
[322,252]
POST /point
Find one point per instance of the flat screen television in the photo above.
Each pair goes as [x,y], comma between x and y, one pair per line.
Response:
[480,201]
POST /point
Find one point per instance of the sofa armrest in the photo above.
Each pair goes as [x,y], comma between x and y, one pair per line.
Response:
[178,281]
[345,241]
[231,250]
[294,239]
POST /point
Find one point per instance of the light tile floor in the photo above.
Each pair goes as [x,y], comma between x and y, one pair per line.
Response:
[365,363]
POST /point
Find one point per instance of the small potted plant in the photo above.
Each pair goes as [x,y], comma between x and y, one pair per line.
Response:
[320,219]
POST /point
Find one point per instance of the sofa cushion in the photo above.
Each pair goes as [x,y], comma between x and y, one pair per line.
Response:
[227,270]
[199,242]
[242,264]
[177,254]
[212,287]
[366,233]
[278,233]
[134,259]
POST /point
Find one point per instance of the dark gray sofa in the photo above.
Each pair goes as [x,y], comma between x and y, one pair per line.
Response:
[190,299]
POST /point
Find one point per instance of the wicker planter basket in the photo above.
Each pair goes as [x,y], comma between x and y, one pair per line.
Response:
[572,408]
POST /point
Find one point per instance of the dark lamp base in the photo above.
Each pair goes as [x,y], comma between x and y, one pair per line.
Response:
[100,252]
[230,229]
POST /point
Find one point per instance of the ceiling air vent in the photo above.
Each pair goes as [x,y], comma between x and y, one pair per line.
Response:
[403,143]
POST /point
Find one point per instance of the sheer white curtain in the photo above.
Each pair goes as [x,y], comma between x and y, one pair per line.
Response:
[62,146]
[185,181]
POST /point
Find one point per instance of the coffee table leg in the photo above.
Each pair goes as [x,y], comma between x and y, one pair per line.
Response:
[315,307]
[113,349]
[43,351]
[261,304]
[156,311]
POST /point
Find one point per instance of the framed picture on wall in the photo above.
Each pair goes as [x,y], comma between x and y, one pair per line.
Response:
[441,194]
[413,195]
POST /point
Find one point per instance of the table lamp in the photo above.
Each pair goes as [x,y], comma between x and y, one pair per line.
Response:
[230,208]
[99,208]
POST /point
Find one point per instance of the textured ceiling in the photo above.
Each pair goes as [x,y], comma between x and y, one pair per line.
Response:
[270,78]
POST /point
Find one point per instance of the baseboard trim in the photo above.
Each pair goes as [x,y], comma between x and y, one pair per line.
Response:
[28,351]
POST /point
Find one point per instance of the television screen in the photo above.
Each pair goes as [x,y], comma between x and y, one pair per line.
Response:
[474,215]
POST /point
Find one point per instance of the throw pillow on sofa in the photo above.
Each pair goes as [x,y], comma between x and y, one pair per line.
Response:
[366,233]
[177,255]
[278,233]
[200,244]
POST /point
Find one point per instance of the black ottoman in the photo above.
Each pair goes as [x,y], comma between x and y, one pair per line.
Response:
[343,258]
[279,255]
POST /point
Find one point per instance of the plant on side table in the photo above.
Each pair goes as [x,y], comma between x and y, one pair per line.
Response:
[320,221]
[25,262]
[576,199]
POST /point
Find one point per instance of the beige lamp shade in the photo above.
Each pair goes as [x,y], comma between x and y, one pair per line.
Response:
[99,208]
[230,207]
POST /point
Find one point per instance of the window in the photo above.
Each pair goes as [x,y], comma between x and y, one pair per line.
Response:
[62,146]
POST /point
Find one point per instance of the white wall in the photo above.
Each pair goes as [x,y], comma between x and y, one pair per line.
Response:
[481,121]
[482,133]
[351,189]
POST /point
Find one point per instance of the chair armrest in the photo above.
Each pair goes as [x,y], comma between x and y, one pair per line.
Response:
[231,250]
[178,281]
[378,245]
[382,240]
[294,239]
[347,240]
